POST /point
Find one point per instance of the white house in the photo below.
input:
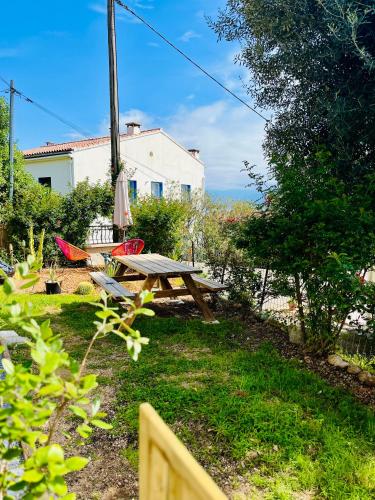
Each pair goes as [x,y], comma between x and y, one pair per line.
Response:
[154,162]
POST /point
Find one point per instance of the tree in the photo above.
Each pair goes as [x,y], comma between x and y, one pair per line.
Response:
[311,63]
[320,240]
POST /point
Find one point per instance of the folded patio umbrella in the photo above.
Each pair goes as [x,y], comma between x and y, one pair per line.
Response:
[122,217]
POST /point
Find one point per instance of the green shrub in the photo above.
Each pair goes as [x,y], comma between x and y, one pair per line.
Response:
[85,288]
[217,226]
[161,223]
[81,207]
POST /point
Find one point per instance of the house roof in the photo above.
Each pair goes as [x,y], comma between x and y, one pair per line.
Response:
[68,147]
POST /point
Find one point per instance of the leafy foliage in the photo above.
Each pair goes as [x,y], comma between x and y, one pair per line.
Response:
[321,237]
[161,223]
[34,398]
[81,207]
[312,63]
[216,229]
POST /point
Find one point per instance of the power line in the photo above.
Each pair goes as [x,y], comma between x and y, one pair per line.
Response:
[76,128]
[188,58]
[48,111]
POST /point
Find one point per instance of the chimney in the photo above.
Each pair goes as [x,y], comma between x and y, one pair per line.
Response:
[133,128]
[50,143]
[194,152]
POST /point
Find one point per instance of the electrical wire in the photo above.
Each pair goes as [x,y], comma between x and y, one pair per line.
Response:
[189,59]
[84,134]
[69,124]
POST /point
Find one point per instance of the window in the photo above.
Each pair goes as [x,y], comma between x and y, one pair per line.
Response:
[157,189]
[132,190]
[45,181]
[186,191]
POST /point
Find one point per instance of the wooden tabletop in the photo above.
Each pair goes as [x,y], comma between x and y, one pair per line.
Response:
[155,265]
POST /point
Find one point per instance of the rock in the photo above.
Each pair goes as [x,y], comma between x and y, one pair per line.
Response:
[337,361]
[367,378]
[9,337]
[353,369]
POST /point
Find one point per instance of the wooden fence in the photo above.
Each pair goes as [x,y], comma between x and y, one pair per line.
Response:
[167,470]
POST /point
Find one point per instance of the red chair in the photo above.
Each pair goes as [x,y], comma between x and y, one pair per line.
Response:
[130,247]
[72,253]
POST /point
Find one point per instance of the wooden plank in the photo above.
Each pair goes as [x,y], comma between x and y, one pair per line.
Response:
[159,477]
[111,286]
[129,277]
[214,286]
[161,456]
[165,285]
[199,300]
[177,292]
[179,266]
[156,265]
[147,285]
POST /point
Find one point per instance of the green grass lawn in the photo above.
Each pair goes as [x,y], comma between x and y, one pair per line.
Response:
[281,430]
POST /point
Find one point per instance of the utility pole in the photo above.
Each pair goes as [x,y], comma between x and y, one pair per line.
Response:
[113,85]
[11,141]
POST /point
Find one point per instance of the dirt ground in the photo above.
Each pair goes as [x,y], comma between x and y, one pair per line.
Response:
[70,278]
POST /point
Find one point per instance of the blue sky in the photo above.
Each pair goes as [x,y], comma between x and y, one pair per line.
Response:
[57,54]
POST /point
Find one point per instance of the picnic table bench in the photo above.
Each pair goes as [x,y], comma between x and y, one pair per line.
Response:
[154,269]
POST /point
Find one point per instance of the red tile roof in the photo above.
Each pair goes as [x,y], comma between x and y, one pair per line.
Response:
[67,147]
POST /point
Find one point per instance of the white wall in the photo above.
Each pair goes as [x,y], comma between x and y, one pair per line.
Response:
[156,157]
[152,157]
[59,168]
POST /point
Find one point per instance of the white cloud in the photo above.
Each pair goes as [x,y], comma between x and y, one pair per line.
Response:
[189,35]
[153,44]
[227,135]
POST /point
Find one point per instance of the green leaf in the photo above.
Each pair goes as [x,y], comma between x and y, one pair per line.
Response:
[54,389]
[9,287]
[58,486]
[32,476]
[84,430]
[20,485]
[76,463]
[101,424]
[103,314]
[89,382]
[144,311]
[70,496]
[12,453]
[77,410]
[55,453]
[29,284]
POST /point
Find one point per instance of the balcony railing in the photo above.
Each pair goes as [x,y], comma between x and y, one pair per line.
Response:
[100,235]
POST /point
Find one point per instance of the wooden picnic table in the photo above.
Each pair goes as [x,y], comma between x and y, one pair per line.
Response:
[154,269]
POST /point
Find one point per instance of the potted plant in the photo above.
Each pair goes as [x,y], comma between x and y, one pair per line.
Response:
[53,284]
